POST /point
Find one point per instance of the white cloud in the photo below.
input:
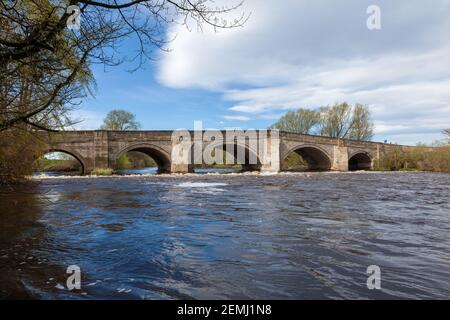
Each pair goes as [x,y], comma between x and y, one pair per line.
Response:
[87,120]
[237,118]
[295,53]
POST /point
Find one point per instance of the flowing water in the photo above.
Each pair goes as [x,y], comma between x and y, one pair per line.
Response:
[284,236]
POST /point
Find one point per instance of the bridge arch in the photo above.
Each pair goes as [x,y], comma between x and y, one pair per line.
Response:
[158,154]
[70,152]
[360,161]
[316,157]
[252,161]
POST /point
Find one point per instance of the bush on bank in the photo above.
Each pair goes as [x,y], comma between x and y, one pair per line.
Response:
[420,158]
[102,172]
[295,162]
[18,151]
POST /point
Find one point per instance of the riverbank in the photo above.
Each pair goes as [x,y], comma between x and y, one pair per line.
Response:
[420,158]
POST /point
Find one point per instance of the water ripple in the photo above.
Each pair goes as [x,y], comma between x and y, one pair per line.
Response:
[288,236]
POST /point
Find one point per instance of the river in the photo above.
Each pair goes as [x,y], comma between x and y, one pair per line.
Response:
[240,236]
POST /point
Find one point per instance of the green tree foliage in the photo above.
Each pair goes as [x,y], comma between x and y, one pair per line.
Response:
[346,121]
[335,121]
[123,162]
[301,121]
[361,124]
[120,120]
[41,73]
[295,162]
[421,158]
[339,121]
[18,151]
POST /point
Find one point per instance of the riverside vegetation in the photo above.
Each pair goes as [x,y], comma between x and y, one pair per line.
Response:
[419,158]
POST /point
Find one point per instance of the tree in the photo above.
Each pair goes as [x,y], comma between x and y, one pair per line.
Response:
[345,121]
[301,121]
[36,85]
[45,66]
[336,120]
[120,120]
[339,121]
[362,126]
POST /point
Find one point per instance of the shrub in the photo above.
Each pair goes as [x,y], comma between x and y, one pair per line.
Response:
[123,162]
[420,158]
[295,162]
[18,151]
[102,172]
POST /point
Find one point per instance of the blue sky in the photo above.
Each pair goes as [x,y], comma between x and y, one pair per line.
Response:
[291,54]
[156,106]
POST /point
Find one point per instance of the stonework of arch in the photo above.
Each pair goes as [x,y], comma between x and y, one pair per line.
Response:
[316,157]
[70,152]
[360,161]
[155,152]
[249,152]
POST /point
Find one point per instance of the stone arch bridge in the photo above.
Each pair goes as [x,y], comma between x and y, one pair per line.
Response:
[101,148]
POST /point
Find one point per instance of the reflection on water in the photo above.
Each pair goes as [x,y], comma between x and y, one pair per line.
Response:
[217,170]
[293,236]
[56,173]
[141,171]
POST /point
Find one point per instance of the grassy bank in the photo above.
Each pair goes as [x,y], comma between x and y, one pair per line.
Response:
[44,164]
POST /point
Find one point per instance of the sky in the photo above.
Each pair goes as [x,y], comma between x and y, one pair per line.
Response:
[293,54]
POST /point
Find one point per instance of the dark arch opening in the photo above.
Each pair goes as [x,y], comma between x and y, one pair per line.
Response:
[230,162]
[59,162]
[360,161]
[307,159]
[144,157]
